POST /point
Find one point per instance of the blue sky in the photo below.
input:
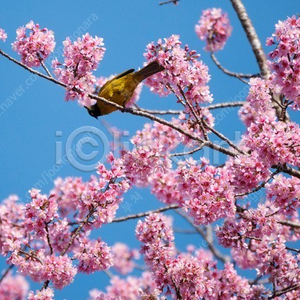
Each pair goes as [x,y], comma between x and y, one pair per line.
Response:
[37,125]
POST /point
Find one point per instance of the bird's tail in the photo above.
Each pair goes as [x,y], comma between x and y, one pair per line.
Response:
[149,70]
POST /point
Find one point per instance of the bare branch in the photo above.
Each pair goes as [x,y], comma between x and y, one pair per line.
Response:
[287,170]
[147,213]
[225,104]
[6,272]
[188,152]
[284,291]
[252,37]
[128,110]
[289,223]
[169,1]
[239,76]
[224,138]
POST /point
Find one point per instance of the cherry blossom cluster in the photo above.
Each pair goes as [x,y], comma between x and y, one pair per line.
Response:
[13,287]
[247,171]
[93,256]
[45,294]
[184,74]
[45,236]
[124,258]
[35,47]
[201,189]
[214,28]
[41,267]
[187,276]
[259,101]
[285,60]
[129,288]
[285,193]
[257,241]
[81,58]
[276,142]
[3,35]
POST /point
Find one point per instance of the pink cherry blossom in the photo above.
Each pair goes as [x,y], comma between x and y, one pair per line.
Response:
[13,287]
[124,258]
[184,74]
[248,171]
[81,58]
[259,102]
[276,142]
[214,27]
[3,35]
[93,256]
[45,294]
[130,288]
[285,60]
[36,47]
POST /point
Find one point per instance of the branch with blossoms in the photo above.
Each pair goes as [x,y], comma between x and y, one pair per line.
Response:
[49,239]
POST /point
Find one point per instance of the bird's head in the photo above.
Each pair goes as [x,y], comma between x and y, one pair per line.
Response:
[93,111]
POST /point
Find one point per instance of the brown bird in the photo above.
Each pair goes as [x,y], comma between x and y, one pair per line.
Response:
[121,88]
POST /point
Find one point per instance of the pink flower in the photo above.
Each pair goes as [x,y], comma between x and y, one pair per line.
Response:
[248,171]
[36,47]
[214,27]
[13,287]
[81,58]
[59,270]
[93,256]
[3,35]
[45,294]
[124,258]
[285,59]
[184,75]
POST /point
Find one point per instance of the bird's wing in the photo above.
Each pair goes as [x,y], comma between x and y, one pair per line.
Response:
[116,77]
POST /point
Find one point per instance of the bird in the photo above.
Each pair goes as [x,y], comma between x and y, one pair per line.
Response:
[121,88]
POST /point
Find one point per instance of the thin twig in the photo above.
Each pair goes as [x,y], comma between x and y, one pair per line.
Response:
[287,170]
[226,104]
[6,272]
[78,229]
[129,110]
[239,76]
[169,1]
[289,223]
[144,214]
[292,249]
[185,231]
[211,247]
[259,186]
[161,112]
[224,138]
[188,152]
[285,290]
[43,65]
[199,121]
[48,238]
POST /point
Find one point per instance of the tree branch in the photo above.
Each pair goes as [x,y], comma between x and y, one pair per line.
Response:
[6,272]
[170,1]
[240,76]
[225,104]
[128,110]
[144,214]
[252,37]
